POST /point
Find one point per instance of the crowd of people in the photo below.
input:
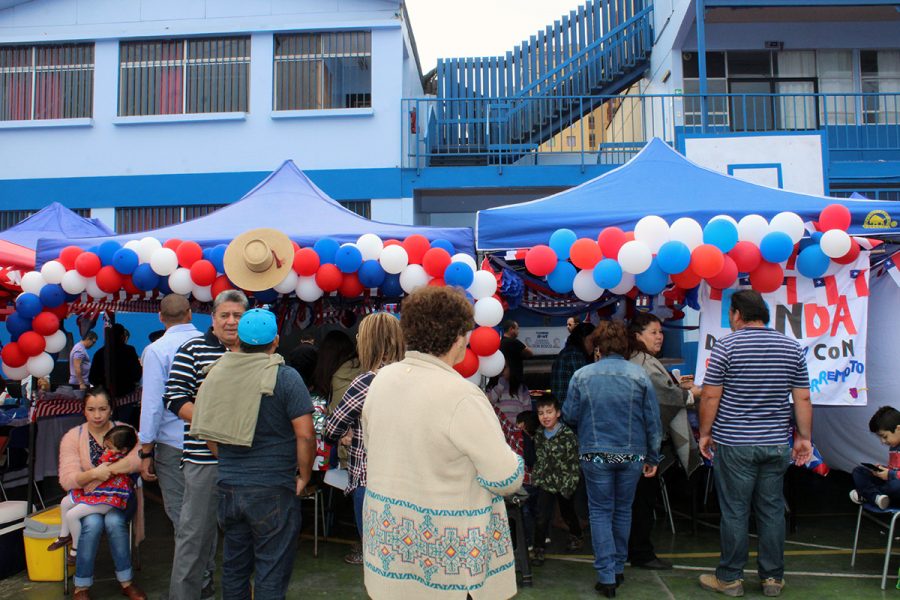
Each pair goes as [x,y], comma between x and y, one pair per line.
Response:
[227,427]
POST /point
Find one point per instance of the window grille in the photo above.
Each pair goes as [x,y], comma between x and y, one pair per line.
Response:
[8,218]
[361,207]
[200,210]
[143,218]
[46,82]
[187,76]
[323,70]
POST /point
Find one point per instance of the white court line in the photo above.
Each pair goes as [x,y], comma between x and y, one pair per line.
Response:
[663,585]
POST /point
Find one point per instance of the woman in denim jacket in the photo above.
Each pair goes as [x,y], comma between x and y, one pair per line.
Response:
[612,407]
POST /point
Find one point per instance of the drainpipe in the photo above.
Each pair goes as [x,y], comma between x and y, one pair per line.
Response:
[701,61]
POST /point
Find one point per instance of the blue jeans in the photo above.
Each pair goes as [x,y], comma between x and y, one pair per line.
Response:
[751,477]
[610,489]
[92,526]
[260,527]
[359,496]
[870,486]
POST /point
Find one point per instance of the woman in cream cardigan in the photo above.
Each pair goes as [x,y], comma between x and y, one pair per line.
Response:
[80,467]
[434,520]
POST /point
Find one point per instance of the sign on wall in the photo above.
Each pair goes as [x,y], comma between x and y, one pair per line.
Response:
[544,340]
[827,316]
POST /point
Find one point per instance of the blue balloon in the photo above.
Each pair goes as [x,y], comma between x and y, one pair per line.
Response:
[561,241]
[163,286]
[391,286]
[29,305]
[371,275]
[459,274]
[207,254]
[125,261]
[674,257]
[721,233]
[776,246]
[52,295]
[326,248]
[93,249]
[817,236]
[653,280]
[348,259]
[561,278]
[144,278]
[812,262]
[265,296]
[72,297]
[806,243]
[16,324]
[445,244]
[107,251]
[217,257]
[607,273]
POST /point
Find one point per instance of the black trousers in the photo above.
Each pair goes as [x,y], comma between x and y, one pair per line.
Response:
[640,548]
[546,501]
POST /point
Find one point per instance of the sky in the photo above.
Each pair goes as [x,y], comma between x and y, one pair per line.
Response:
[467,28]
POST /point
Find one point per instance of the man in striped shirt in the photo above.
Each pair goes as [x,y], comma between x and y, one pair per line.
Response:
[195,537]
[745,416]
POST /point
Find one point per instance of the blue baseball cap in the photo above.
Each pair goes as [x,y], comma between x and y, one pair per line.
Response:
[257,327]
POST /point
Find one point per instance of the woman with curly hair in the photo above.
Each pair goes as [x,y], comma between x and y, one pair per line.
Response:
[434,520]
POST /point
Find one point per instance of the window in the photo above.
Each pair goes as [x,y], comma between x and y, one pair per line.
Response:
[323,70]
[834,69]
[200,210]
[361,207]
[46,82]
[716,106]
[880,71]
[171,77]
[592,140]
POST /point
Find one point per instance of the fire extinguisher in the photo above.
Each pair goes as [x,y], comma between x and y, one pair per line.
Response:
[412,121]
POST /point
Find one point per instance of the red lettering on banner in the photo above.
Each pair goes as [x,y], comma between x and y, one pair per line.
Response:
[811,312]
[843,317]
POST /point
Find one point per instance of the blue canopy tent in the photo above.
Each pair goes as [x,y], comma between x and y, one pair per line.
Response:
[659,181]
[18,243]
[285,200]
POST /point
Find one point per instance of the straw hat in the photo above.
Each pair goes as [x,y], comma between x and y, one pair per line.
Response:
[259,259]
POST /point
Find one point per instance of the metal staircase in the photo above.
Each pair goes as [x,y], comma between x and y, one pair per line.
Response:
[511,104]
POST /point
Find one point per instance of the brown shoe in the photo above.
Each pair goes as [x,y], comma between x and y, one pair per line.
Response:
[81,595]
[59,543]
[733,589]
[71,558]
[133,592]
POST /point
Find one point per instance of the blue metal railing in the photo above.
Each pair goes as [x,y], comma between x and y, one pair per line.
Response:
[611,129]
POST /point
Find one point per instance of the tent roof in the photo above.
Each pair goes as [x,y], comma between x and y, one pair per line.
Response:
[286,200]
[658,181]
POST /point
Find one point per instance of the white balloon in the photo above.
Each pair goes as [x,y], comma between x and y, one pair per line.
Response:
[370,246]
[146,247]
[484,285]
[307,290]
[476,378]
[73,282]
[288,284]
[687,231]
[752,228]
[488,312]
[40,365]
[394,259]
[180,281]
[491,366]
[413,277]
[635,257]
[134,245]
[164,261]
[202,293]
[55,342]
[625,285]
[584,287]
[465,258]
[726,217]
[53,271]
[32,282]
[93,291]
[835,243]
[15,373]
[789,223]
[653,231]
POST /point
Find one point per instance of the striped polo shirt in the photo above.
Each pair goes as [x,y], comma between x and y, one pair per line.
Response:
[757,367]
[185,378]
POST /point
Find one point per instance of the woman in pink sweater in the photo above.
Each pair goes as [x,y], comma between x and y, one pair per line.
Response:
[80,467]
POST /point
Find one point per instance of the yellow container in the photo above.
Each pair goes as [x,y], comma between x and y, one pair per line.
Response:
[41,529]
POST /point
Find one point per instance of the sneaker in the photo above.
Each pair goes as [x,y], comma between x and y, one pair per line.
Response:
[732,589]
[855,498]
[538,559]
[355,556]
[882,501]
[772,587]
[576,543]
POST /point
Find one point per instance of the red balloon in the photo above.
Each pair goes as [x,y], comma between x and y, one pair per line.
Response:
[109,280]
[87,264]
[350,286]
[611,240]
[707,261]
[437,282]
[468,366]
[68,255]
[31,343]
[129,286]
[329,277]
[45,323]
[834,216]
[61,311]
[484,341]
[767,277]
[746,256]
[221,284]
[188,253]
[585,253]
[306,262]
[295,245]
[392,242]
[629,236]
[203,272]
[541,260]
[686,280]
[727,276]
[436,261]
[172,244]
[851,256]
[416,246]
[13,356]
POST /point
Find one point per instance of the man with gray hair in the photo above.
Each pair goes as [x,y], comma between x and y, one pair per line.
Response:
[196,533]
